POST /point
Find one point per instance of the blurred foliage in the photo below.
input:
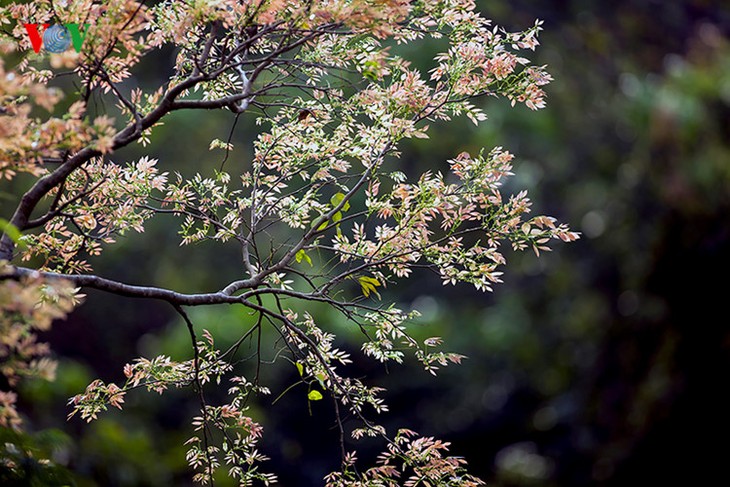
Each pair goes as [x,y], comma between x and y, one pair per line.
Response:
[26,460]
[598,364]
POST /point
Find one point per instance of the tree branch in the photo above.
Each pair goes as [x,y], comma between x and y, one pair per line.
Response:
[131,290]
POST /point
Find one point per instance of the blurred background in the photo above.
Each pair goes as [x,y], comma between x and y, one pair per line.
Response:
[601,363]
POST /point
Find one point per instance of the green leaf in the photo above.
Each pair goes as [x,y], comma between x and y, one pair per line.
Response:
[369,70]
[368,285]
[315,395]
[337,216]
[337,199]
[10,230]
[369,280]
[300,368]
[302,255]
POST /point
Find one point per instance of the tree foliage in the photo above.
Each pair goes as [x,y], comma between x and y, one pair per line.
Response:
[321,213]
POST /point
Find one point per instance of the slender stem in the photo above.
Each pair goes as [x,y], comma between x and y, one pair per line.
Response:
[199,386]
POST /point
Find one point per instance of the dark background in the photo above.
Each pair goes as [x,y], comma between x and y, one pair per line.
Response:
[601,363]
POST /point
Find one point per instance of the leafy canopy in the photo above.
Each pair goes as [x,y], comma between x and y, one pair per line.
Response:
[320,213]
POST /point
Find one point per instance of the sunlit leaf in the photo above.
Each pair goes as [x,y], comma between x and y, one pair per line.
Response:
[301,255]
[368,285]
[322,226]
[337,199]
[10,230]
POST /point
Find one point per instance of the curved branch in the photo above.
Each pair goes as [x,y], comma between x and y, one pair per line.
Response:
[131,290]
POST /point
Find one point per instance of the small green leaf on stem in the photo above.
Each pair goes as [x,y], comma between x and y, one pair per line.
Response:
[337,199]
[300,256]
